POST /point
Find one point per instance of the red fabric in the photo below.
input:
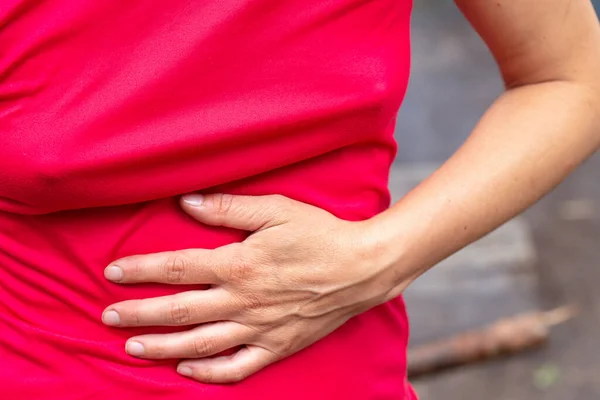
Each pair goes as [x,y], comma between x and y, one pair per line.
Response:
[111,109]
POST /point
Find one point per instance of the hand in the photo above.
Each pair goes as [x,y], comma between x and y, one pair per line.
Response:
[300,275]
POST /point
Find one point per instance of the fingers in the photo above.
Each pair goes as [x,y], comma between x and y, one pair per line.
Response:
[228,369]
[248,213]
[203,341]
[192,266]
[187,308]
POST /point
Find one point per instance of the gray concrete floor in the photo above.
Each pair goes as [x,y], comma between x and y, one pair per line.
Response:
[454,79]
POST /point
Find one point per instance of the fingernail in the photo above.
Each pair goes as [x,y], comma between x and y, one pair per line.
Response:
[111,318]
[113,273]
[194,200]
[134,348]
[185,371]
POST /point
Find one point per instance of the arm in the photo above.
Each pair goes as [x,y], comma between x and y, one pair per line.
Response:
[302,272]
[544,125]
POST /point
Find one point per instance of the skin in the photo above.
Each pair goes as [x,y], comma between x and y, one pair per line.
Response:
[303,272]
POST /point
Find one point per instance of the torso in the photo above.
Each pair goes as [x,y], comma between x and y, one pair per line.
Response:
[108,110]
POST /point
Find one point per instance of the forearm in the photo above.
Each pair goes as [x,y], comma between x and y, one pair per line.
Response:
[527,142]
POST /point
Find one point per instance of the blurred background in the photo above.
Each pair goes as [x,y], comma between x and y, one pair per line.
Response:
[544,259]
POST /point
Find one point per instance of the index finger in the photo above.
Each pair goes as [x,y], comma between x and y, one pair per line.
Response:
[182,267]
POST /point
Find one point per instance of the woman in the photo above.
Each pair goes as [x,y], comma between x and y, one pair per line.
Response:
[278,273]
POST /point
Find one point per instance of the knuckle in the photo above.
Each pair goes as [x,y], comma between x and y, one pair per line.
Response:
[202,347]
[279,202]
[180,313]
[222,203]
[137,320]
[264,327]
[238,374]
[284,347]
[242,269]
[137,270]
[208,375]
[175,268]
[252,301]
[282,343]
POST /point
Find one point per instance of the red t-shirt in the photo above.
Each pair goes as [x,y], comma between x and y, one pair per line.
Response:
[109,110]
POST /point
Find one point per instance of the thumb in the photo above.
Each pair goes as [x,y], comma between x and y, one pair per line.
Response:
[248,213]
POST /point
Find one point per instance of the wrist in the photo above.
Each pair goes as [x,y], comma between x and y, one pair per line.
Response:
[388,249]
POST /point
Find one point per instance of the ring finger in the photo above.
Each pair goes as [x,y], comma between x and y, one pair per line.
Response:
[187,308]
